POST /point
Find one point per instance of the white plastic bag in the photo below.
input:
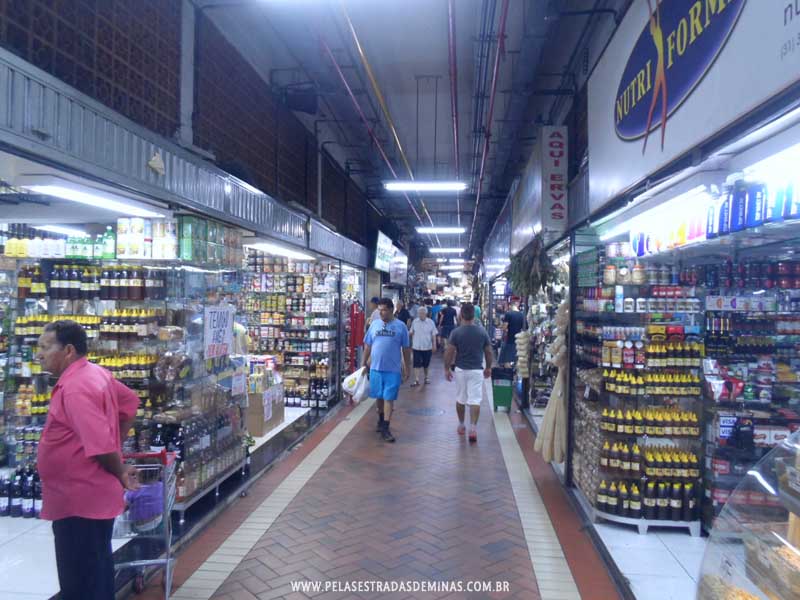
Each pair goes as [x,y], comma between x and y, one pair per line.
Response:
[357,385]
[362,388]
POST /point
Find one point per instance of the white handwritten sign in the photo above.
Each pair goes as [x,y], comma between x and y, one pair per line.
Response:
[218,331]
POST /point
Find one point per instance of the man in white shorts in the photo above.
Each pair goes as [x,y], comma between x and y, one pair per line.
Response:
[470,350]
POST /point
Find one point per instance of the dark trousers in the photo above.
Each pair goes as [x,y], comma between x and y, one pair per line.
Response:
[84,558]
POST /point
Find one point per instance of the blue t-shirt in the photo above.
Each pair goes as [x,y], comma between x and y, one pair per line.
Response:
[387,341]
[434,311]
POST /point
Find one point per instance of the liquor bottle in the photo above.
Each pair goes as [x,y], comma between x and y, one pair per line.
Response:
[28,511]
[15,497]
[158,441]
[86,284]
[55,282]
[5,497]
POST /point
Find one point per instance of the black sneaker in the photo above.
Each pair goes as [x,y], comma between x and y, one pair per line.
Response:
[387,435]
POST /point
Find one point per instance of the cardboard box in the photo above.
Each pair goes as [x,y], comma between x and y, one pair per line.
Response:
[264,411]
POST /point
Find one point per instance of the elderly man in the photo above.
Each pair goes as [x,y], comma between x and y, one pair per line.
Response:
[423,343]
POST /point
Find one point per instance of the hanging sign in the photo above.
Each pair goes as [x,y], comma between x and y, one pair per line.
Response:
[676,73]
[217,331]
[554,178]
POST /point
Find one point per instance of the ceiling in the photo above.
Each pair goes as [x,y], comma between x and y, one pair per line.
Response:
[406,45]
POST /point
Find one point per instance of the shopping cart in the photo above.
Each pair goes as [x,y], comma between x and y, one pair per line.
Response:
[147,522]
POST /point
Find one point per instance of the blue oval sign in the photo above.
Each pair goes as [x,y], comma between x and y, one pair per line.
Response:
[678,45]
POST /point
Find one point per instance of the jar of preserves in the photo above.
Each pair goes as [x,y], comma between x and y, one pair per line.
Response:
[610,275]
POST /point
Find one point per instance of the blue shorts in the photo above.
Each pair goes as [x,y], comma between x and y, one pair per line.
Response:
[384,385]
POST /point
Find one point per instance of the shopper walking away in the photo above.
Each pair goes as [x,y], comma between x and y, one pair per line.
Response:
[448,320]
[513,323]
[386,354]
[402,313]
[470,350]
[372,309]
[80,462]
[423,343]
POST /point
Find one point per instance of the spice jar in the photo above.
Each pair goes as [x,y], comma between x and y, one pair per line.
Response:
[623,276]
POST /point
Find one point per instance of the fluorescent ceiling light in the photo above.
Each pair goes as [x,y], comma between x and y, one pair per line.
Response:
[455,274]
[441,230]
[425,186]
[660,216]
[97,198]
[456,260]
[451,268]
[279,251]
[447,250]
[61,230]
[441,260]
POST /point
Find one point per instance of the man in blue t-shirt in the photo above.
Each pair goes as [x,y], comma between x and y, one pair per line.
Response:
[387,353]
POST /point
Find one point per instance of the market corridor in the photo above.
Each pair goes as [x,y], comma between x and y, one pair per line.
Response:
[429,508]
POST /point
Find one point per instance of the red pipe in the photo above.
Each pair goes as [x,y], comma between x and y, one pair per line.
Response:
[501,34]
[451,43]
[364,120]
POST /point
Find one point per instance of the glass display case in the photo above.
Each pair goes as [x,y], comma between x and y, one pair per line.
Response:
[754,549]
[352,318]
[147,321]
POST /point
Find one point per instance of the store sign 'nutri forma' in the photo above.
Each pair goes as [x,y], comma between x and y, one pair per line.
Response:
[678,44]
[676,73]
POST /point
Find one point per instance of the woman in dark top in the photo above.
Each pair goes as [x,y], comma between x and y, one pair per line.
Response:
[402,313]
[447,319]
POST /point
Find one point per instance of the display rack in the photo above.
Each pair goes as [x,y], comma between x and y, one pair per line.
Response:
[637,383]
[292,308]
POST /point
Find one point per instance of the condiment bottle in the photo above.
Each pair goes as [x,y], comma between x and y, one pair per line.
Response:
[624,500]
[676,502]
[602,500]
[635,504]
[604,452]
[612,499]
[650,502]
[662,502]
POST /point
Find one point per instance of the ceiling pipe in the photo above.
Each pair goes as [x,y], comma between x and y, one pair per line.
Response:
[481,81]
[384,108]
[451,44]
[501,33]
[361,114]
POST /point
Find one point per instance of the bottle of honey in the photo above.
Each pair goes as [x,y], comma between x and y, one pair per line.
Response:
[636,461]
[612,499]
[620,422]
[625,460]
[638,423]
[604,453]
[635,504]
[613,460]
[650,501]
[676,502]
[602,499]
[624,500]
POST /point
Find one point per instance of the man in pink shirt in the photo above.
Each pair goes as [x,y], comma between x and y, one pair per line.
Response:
[80,461]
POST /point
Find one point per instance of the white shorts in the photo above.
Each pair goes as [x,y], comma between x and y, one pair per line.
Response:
[469,386]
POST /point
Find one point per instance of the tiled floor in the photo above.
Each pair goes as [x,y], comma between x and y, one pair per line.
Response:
[430,508]
[28,560]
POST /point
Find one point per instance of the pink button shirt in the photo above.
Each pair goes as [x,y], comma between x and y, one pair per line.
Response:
[86,409]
